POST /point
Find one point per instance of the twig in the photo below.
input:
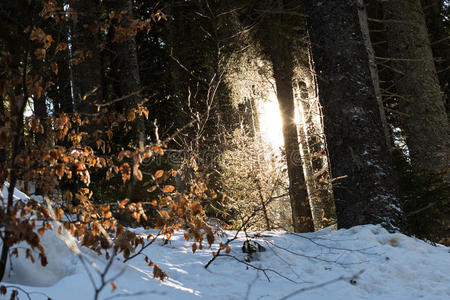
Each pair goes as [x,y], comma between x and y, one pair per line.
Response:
[326,246]
[133,294]
[429,205]
[397,112]
[28,294]
[244,224]
[388,21]
[264,270]
[102,274]
[351,278]
[247,294]
[439,41]
[119,99]
[316,257]
[144,247]
[398,59]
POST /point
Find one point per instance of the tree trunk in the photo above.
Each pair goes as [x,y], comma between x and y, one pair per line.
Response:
[426,127]
[2,147]
[365,188]
[61,93]
[315,162]
[129,83]
[85,58]
[274,37]
[439,38]
[282,61]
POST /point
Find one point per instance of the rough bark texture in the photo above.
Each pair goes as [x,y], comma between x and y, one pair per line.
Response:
[352,121]
[283,74]
[312,138]
[362,13]
[440,44]
[426,127]
[315,162]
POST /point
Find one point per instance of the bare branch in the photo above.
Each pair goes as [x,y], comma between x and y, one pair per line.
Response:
[343,278]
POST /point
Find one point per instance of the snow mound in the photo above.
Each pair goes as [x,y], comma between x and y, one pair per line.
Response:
[394,266]
[61,262]
[60,250]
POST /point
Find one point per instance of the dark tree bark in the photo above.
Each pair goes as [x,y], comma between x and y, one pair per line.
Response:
[366,192]
[128,69]
[40,112]
[85,57]
[61,93]
[426,125]
[129,81]
[2,123]
[439,39]
[64,101]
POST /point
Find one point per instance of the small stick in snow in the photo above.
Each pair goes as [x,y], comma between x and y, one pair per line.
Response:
[344,278]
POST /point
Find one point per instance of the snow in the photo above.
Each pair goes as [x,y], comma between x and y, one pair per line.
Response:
[394,266]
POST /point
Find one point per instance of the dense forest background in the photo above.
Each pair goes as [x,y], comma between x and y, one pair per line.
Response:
[260,115]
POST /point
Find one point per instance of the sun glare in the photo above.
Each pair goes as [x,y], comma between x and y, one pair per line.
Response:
[270,121]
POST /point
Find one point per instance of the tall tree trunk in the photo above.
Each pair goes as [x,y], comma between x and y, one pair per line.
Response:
[130,82]
[315,162]
[426,127]
[274,37]
[2,147]
[439,38]
[366,191]
[61,93]
[282,61]
[64,101]
[85,57]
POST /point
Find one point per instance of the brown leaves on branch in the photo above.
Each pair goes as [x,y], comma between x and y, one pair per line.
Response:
[69,152]
[159,273]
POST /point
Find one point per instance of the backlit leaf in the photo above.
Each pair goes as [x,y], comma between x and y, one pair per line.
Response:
[168,188]
[159,174]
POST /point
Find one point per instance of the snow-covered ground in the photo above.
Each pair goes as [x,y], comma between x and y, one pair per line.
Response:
[394,266]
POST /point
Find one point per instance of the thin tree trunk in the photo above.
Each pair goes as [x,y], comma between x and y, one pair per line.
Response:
[17,110]
[366,192]
[426,128]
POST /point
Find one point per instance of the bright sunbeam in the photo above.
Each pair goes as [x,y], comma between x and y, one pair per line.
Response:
[270,121]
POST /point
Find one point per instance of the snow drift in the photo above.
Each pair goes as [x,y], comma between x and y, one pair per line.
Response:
[394,266]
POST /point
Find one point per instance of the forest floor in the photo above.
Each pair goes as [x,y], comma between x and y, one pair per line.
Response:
[364,262]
